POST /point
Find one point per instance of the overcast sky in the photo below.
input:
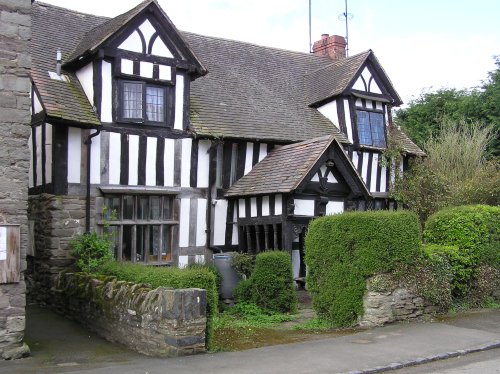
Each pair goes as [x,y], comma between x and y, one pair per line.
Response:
[422,44]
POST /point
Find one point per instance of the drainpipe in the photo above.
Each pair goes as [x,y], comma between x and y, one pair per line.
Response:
[88,143]
[211,184]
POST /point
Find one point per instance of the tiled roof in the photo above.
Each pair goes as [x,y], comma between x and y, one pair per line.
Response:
[254,92]
[405,143]
[54,28]
[283,170]
[333,79]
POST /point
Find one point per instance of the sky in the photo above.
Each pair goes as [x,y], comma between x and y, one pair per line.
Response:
[423,45]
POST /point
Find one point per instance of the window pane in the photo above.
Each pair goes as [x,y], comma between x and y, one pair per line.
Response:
[377,126]
[128,207]
[113,235]
[154,242]
[155,104]
[132,100]
[154,209]
[112,208]
[127,243]
[364,133]
[167,208]
[166,249]
[141,243]
[142,207]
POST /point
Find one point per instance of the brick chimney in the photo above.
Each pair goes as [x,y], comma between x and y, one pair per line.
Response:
[332,46]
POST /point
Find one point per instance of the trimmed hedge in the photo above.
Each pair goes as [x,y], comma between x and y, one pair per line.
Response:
[343,250]
[170,277]
[473,228]
[270,285]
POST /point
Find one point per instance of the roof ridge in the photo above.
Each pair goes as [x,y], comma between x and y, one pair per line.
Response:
[43,4]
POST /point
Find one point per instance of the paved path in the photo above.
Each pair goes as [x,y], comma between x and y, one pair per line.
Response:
[368,351]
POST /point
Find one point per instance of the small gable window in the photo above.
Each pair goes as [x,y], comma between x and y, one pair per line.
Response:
[371,129]
[142,102]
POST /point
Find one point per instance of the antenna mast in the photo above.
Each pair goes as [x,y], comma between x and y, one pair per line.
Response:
[346,17]
[310,40]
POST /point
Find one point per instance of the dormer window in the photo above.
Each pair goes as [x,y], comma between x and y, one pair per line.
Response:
[371,129]
[142,102]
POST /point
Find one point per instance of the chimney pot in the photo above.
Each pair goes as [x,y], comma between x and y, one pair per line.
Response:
[324,36]
[58,61]
[333,46]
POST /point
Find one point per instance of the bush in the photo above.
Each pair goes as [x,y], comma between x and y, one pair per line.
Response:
[211,268]
[461,266]
[485,288]
[243,263]
[343,250]
[170,277]
[474,229]
[271,284]
[91,251]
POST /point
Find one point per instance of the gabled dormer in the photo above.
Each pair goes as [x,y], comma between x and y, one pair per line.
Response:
[136,69]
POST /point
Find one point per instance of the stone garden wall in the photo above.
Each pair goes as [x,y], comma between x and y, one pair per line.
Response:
[163,322]
[387,301]
[57,219]
[15,62]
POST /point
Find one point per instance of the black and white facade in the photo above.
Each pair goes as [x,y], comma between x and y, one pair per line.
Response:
[180,150]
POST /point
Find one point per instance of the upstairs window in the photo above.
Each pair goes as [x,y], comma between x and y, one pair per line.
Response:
[142,102]
[371,129]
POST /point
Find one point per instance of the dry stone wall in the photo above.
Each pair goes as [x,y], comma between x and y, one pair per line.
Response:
[163,322]
[387,301]
[15,33]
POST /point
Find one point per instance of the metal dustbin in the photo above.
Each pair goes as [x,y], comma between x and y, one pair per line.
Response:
[230,277]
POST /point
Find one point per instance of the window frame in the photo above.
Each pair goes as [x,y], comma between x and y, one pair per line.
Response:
[370,126]
[141,120]
[165,225]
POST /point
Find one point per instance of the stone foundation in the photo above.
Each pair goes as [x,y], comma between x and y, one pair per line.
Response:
[387,301]
[57,219]
[163,322]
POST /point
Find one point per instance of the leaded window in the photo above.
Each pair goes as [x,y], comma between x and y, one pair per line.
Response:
[371,129]
[142,102]
[140,227]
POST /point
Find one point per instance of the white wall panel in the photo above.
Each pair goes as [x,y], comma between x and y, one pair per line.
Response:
[86,77]
[132,43]
[114,157]
[95,159]
[147,30]
[296,263]
[220,215]
[248,158]
[146,69]
[234,239]
[30,147]
[165,72]
[183,261]
[304,207]
[241,208]
[329,110]
[253,207]
[48,153]
[184,223]
[160,49]
[348,123]
[278,205]
[373,179]
[37,104]
[186,162]
[265,205]
[334,207]
[203,163]
[199,259]
[38,151]
[383,181]
[74,154]
[364,168]
[201,223]
[107,93]
[127,66]
[168,163]
[179,102]
[133,159]
[151,161]
[262,151]
[359,85]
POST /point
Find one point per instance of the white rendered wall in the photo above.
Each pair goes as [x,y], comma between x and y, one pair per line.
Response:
[151,161]
[168,163]
[329,110]
[30,147]
[241,208]
[262,151]
[186,162]
[253,207]
[248,158]
[220,215]
[265,205]
[179,102]
[296,263]
[114,155]
[127,66]
[74,154]
[86,77]
[348,123]
[278,205]
[146,69]
[36,103]
[133,159]
[373,179]
[201,223]
[203,163]
[334,207]
[133,43]
[107,92]
[48,153]
[38,151]
[184,223]
[364,168]
[304,207]
[95,159]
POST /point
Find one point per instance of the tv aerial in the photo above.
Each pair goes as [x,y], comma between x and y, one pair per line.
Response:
[346,16]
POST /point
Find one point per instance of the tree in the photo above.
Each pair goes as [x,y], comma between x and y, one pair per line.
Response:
[422,119]
[455,171]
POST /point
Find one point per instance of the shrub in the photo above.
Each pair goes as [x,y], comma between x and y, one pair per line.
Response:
[485,288]
[475,229]
[271,284]
[243,263]
[461,266]
[211,268]
[170,277]
[91,251]
[343,250]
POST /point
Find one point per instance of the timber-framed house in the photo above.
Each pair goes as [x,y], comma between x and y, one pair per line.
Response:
[181,145]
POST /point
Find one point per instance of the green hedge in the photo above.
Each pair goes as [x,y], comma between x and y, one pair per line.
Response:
[170,277]
[474,228]
[270,285]
[343,250]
